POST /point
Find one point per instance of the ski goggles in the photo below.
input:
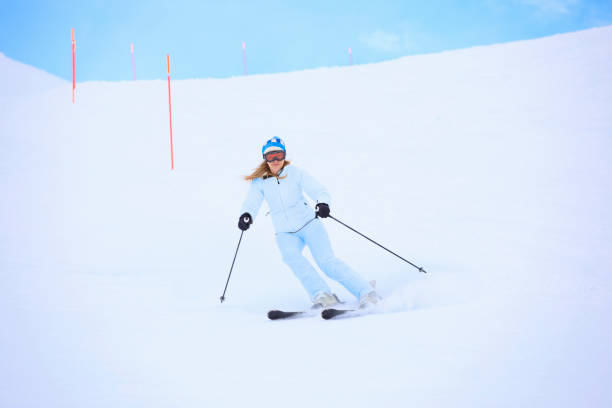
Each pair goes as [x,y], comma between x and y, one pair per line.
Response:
[277,155]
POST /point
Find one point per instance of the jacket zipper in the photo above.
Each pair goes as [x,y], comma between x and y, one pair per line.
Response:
[281,200]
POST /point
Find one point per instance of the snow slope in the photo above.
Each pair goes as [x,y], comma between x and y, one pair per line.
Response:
[487,166]
[21,80]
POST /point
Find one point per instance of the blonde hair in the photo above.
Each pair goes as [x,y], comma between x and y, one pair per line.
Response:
[263,171]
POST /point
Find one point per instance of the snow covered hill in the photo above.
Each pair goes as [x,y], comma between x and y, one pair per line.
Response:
[489,166]
[21,80]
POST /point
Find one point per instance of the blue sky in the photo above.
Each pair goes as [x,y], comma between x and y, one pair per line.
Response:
[204,38]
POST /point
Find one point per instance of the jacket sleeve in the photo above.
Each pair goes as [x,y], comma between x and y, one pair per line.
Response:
[253,200]
[314,189]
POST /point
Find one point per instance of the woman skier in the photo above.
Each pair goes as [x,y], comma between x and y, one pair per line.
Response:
[297,225]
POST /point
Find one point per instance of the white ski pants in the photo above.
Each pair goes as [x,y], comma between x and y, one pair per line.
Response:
[291,245]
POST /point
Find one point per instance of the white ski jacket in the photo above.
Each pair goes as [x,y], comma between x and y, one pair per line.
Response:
[288,207]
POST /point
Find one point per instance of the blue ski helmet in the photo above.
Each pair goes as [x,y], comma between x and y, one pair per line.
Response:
[276,143]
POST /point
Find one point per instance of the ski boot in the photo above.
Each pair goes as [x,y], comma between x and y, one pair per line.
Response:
[369,300]
[324,300]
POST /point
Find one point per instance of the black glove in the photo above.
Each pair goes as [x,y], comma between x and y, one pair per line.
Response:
[245,221]
[322,210]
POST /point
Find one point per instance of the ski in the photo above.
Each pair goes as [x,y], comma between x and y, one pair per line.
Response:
[280,314]
[332,313]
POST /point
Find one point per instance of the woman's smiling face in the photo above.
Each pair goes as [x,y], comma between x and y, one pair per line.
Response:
[275,166]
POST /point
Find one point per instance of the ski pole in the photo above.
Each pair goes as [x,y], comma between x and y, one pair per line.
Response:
[230,272]
[371,240]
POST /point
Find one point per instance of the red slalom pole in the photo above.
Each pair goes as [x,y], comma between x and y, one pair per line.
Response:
[170,110]
[350,56]
[244,58]
[133,65]
[73,67]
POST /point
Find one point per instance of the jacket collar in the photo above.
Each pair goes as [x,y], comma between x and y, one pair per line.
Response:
[280,173]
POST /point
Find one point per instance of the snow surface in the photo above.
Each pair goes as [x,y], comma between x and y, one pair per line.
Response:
[489,166]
